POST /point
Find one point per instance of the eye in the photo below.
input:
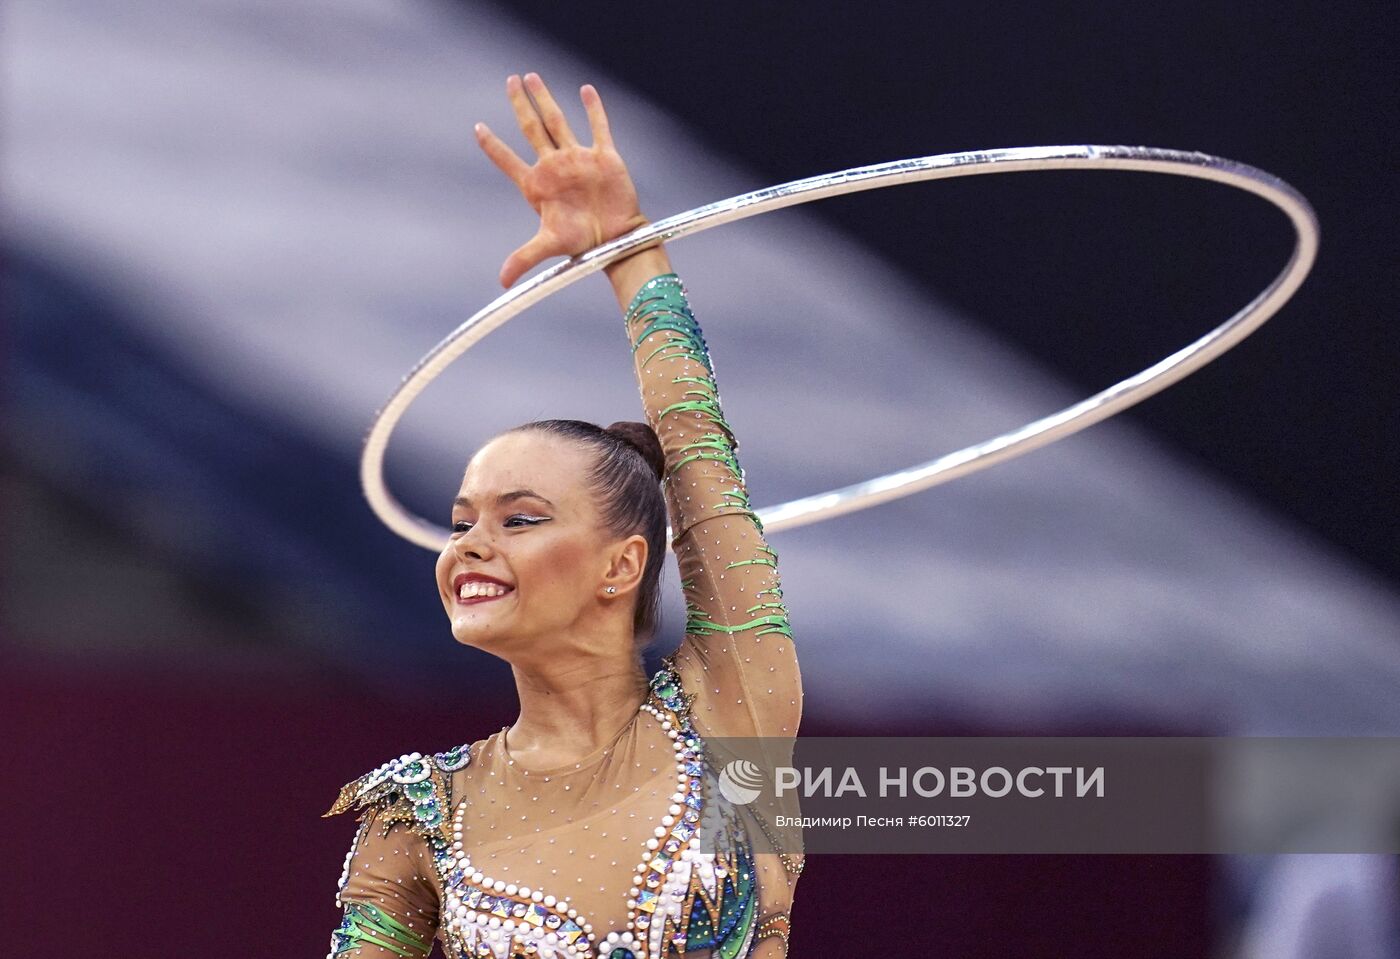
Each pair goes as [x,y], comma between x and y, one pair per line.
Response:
[461,526]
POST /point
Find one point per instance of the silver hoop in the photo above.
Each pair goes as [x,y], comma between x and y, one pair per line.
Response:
[847,499]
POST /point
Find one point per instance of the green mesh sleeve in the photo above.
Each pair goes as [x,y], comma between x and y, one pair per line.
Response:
[365,923]
[737,657]
[388,891]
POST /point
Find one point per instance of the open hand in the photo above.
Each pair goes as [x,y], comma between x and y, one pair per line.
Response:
[583,194]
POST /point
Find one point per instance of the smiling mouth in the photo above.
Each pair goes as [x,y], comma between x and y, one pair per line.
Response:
[473,593]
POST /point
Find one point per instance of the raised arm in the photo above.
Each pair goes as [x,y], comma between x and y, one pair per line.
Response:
[738,657]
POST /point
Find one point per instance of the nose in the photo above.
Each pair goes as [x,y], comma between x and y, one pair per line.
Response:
[473,544]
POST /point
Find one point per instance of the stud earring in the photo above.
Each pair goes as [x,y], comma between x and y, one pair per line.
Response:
[612,589]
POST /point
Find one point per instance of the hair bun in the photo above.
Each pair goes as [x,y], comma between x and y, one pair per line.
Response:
[644,440]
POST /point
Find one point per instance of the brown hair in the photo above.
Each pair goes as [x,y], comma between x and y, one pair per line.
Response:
[628,467]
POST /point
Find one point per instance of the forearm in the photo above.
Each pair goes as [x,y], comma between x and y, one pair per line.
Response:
[680,398]
[777,885]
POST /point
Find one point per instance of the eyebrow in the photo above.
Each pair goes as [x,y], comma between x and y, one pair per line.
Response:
[506,498]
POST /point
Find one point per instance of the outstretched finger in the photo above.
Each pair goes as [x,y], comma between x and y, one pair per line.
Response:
[535,250]
[530,123]
[501,154]
[597,118]
[554,120]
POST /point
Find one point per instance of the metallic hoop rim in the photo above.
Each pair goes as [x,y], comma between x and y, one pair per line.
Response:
[1041,432]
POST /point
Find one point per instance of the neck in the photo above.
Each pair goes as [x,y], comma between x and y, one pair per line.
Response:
[573,704]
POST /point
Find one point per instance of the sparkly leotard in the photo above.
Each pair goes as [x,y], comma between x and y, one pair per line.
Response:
[604,857]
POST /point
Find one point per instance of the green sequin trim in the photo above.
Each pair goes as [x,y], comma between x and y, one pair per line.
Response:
[770,559]
[661,305]
[741,936]
[367,923]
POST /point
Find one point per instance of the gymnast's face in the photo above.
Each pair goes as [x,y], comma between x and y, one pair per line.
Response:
[525,516]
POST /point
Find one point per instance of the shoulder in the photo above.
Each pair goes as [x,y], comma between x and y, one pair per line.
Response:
[414,785]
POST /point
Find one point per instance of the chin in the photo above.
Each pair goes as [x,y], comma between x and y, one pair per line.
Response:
[486,637]
[473,634]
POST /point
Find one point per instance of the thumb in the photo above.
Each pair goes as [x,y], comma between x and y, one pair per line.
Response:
[536,249]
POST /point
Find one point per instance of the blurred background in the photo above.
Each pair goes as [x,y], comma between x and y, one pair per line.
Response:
[229,227]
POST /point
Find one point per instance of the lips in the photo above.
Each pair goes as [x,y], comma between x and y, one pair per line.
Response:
[462,579]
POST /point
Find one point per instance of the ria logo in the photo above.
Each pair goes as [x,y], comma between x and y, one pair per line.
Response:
[740,781]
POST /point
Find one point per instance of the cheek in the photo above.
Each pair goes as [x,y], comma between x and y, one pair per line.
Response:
[555,571]
[441,568]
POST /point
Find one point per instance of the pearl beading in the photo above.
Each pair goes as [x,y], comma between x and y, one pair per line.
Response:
[349,859]
[504,917]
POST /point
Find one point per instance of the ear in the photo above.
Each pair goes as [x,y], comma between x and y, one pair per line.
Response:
[627,561]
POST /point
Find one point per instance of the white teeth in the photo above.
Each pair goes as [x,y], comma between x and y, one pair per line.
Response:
[474,589]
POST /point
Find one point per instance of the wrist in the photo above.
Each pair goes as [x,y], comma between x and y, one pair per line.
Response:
[627,226]
[631,224]
[628,274]
[634,222]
